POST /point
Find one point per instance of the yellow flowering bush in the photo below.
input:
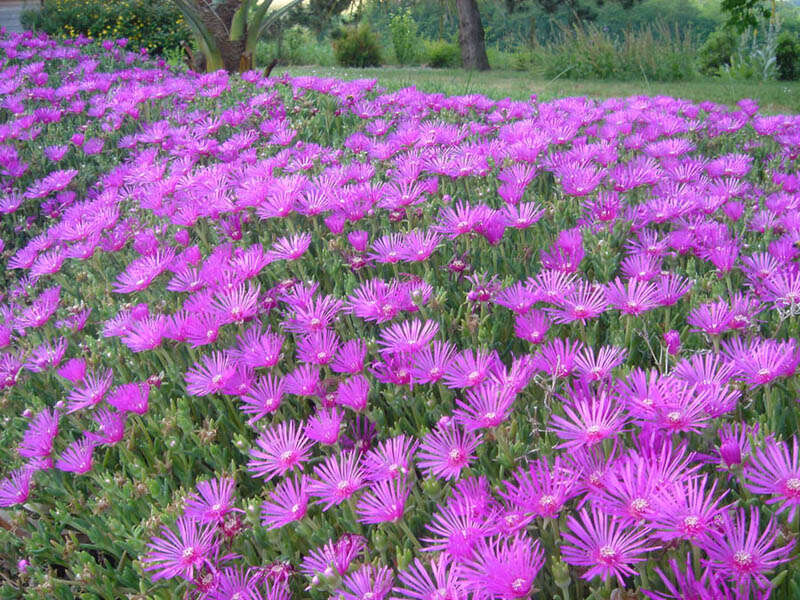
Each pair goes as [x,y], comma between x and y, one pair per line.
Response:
[151,24]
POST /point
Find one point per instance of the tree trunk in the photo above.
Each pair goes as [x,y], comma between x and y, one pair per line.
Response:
[471,36]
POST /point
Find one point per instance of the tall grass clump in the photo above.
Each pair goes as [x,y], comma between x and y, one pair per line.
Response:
[657,53]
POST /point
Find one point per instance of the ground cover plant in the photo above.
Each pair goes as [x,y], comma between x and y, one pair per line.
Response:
[300,337]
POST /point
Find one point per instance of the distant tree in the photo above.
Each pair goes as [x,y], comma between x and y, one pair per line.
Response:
[317,14]
[747,13]
[471,36]
[581,9]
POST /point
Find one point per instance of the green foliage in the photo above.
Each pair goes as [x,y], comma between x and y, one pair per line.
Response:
[717,51]
[404,38]
[297,46]
[755,56]
[357,46]
[443,55]
[588,52]
[744,14]
[787,57]
[317,15]
[152,24]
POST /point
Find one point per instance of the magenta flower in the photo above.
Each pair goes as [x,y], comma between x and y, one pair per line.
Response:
[111,424]
[604,545]
[212,502]
[775,471]
[591,367]
[77,457]
[590,418]
[15,488]
[95,386]
[130,397]
[324,425]
[532,326]
[503,569]
[408,336]
[288,503]
[181,555]
[688,511]
[392,458]
[470,368]
[262,398]
[37,441]
[485,407]
[457,531]
[384,501]
[334,558]
[586,301]
[739,552]
[216,371]
[541,489]
[633,297]
[350,357]
[318,348]
[368,582]
[430,364]
[418,583]
[337,479]
[303,381]
[281,448]
[447,450]
[353,393]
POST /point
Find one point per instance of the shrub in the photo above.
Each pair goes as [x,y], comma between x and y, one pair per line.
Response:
[357,47]
[404,38]
[587,52]
[151,24]
[787,56]
[717,51]
[443,55]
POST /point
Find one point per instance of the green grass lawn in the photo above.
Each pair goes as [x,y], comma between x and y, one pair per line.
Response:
[773,97]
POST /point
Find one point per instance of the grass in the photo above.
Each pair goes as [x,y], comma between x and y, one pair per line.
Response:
[773,97]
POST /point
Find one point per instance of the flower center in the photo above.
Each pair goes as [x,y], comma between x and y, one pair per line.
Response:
[743,559]
[607,554]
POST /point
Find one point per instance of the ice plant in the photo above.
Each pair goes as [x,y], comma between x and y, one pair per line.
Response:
[180,555]
[604,545]
[742,553]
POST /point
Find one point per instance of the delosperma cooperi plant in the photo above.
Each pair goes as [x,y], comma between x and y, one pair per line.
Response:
[296,337]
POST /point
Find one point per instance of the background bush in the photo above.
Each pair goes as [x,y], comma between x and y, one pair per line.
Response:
[717,51]
[296,46]
[588,52]
[357,46]
[404,38]
[443,55]
[787,55]
[153,24]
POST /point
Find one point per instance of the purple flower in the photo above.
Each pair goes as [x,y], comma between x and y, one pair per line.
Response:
[369,582]
[15,488]
[384,501]
[418,583]
[775,471]
[288,503]
[337,479]
[743,554]
[503,568]
[447,450]
[37,441]
[281,448]
[181,555]
[601,543]
[77,457]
